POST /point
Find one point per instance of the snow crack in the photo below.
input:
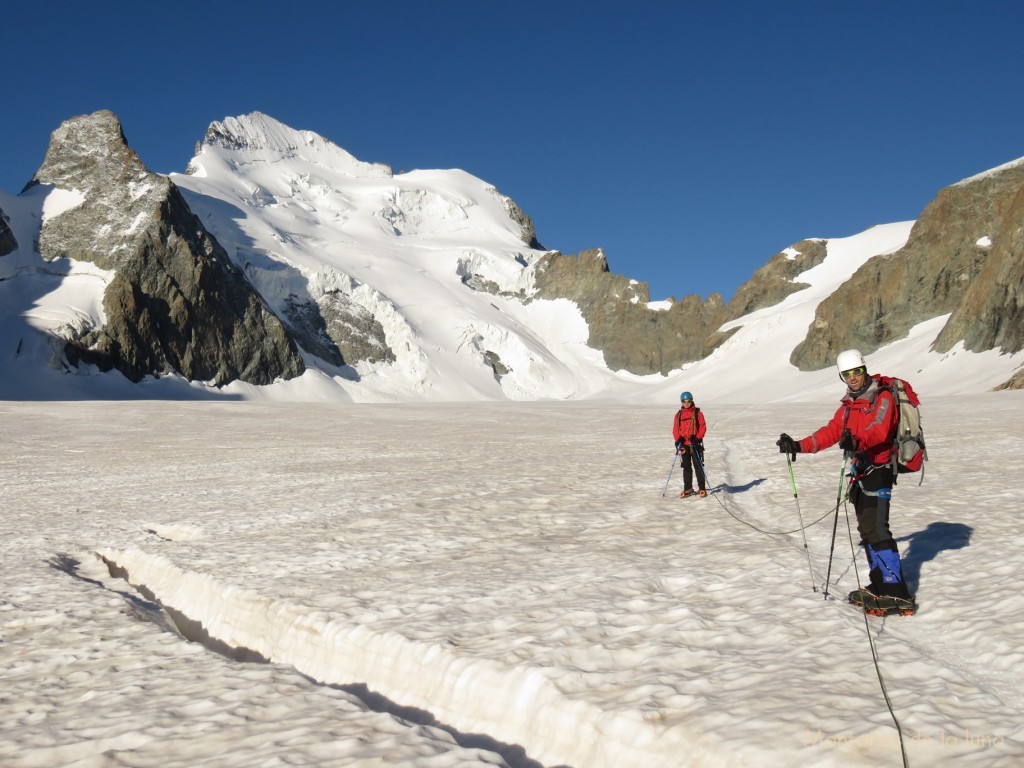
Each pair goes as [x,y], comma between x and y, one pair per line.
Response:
[513,704]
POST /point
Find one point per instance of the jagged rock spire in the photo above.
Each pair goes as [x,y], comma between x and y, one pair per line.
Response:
[176,303]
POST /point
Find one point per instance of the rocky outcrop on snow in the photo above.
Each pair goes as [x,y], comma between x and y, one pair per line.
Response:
[529,234]
[1014,382]
[7,242]
[176,303]
[640,339]
[337,330]
[963,258]
[631,335]
[775,280]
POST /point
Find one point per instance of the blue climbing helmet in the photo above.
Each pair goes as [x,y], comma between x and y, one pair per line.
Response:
[686,396]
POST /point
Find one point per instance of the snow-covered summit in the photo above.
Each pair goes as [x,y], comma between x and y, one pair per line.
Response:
[434,265]
[259,136]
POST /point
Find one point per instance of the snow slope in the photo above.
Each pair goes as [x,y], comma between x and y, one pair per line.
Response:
[301,221]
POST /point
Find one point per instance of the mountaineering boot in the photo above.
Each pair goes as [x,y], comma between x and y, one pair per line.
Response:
[859,596]
[890,606]
[703,492]
[687,492]
[886,573]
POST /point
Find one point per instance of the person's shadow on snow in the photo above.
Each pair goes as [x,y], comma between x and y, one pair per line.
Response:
[925,545]
[738,488]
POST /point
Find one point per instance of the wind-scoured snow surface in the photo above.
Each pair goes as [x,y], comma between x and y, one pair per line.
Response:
[247,584]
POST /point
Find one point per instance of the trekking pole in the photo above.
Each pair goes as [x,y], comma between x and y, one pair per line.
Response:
[800,517]
[671,469]
[835,521]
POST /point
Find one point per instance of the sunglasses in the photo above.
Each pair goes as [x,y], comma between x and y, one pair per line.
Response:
[687,400]
[860,370]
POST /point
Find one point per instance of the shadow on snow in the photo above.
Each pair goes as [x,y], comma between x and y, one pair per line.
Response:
[926,545]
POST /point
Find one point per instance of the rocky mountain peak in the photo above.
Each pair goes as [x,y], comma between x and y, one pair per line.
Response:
[175,302]
[90,152]
[90,155]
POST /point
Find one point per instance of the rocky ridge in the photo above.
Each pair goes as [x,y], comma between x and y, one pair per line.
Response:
[633,336]
[777,279]
[963,258]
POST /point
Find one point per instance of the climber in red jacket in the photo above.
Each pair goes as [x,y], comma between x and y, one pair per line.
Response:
[864,426]
[689,430]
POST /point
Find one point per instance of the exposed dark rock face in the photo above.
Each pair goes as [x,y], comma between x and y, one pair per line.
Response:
[632,336]
[336,329]
[963,257]
[529,234]
[990,314]
[494,360]
[176,303]
[7,242]
[774,281]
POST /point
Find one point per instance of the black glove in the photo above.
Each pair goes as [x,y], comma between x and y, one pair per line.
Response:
[788,445]
[679,445]
[847,443]
[697,443]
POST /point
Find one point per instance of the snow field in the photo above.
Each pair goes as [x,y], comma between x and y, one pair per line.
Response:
[511,570]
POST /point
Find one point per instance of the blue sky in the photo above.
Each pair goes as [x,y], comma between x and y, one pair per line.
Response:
[690,140]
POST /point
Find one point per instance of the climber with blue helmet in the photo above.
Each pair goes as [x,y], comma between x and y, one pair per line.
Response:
[688,430]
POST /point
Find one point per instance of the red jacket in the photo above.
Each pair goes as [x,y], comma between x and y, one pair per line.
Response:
[871,419]
[689,422]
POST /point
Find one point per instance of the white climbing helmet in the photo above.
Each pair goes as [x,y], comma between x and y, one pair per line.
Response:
[850,358]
